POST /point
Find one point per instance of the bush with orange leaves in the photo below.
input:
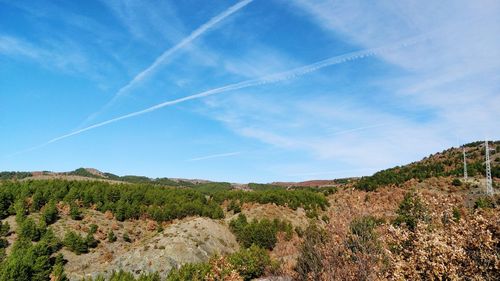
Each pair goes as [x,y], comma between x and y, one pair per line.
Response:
[355,252]
[465,250]
[422,239]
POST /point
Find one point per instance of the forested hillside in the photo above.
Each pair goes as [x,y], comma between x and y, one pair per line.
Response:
[421,221]
[446,163]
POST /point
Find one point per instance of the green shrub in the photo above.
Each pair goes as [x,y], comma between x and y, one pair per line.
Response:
[411,211]
[3,243]
[29,261]
[194,272]
[362,236]
[29,230]
[93,228]
[50,241]
[126,276]
[6,200]
[251,262]
[325,218]
[261,233]
[309,263]
[58,273]
[126,238]
[50,214]
[457,215]
[312,213]
[26,263]
[234,206]
[159,229]
[111,236]
[3,254]
[37,201]
[4,228]
[74,212]
[75,243]
[484,203]
[91,241]
[21,210]
[456,182]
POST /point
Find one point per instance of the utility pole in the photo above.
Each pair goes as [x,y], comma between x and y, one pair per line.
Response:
[489,183]
[465,166]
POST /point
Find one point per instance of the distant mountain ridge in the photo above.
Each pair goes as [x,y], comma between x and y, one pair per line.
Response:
[446,163]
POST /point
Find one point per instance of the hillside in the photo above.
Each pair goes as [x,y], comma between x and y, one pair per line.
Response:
[448,163]
[420,221]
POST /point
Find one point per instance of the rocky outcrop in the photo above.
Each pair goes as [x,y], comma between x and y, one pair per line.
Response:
[191,240]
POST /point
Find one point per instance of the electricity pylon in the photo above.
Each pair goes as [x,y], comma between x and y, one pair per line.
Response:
[489,183]
[465,166]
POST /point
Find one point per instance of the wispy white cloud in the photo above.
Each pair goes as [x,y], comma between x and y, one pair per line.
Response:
[269,79]
[149,21]
[167,54]
[62,51]
[220,155]
[260,60]
[445,87]
[11,46]
[51,55]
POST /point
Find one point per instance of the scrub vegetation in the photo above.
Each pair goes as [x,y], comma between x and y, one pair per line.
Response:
[416,222]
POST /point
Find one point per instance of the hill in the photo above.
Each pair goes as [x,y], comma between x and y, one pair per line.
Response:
[420,221]
[443,164]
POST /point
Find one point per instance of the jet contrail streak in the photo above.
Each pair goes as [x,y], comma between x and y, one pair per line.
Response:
[273,78]
[214,156]
[168,53]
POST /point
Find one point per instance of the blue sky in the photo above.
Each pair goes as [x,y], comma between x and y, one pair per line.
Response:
[244,91]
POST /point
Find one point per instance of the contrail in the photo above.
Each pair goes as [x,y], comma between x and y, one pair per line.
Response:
[273,78]
[168,53]
[347,131]
[214,156]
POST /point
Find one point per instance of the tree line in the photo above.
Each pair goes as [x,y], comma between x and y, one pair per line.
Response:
[132,201]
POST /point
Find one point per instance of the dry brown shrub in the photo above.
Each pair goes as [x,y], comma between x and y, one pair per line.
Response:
[467,250]
[443,248]
[151,225]
[107,256]
[222,270]
[108,215]
[63,208]
[340,262]
[84,228]
[286,252]
[101,235]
